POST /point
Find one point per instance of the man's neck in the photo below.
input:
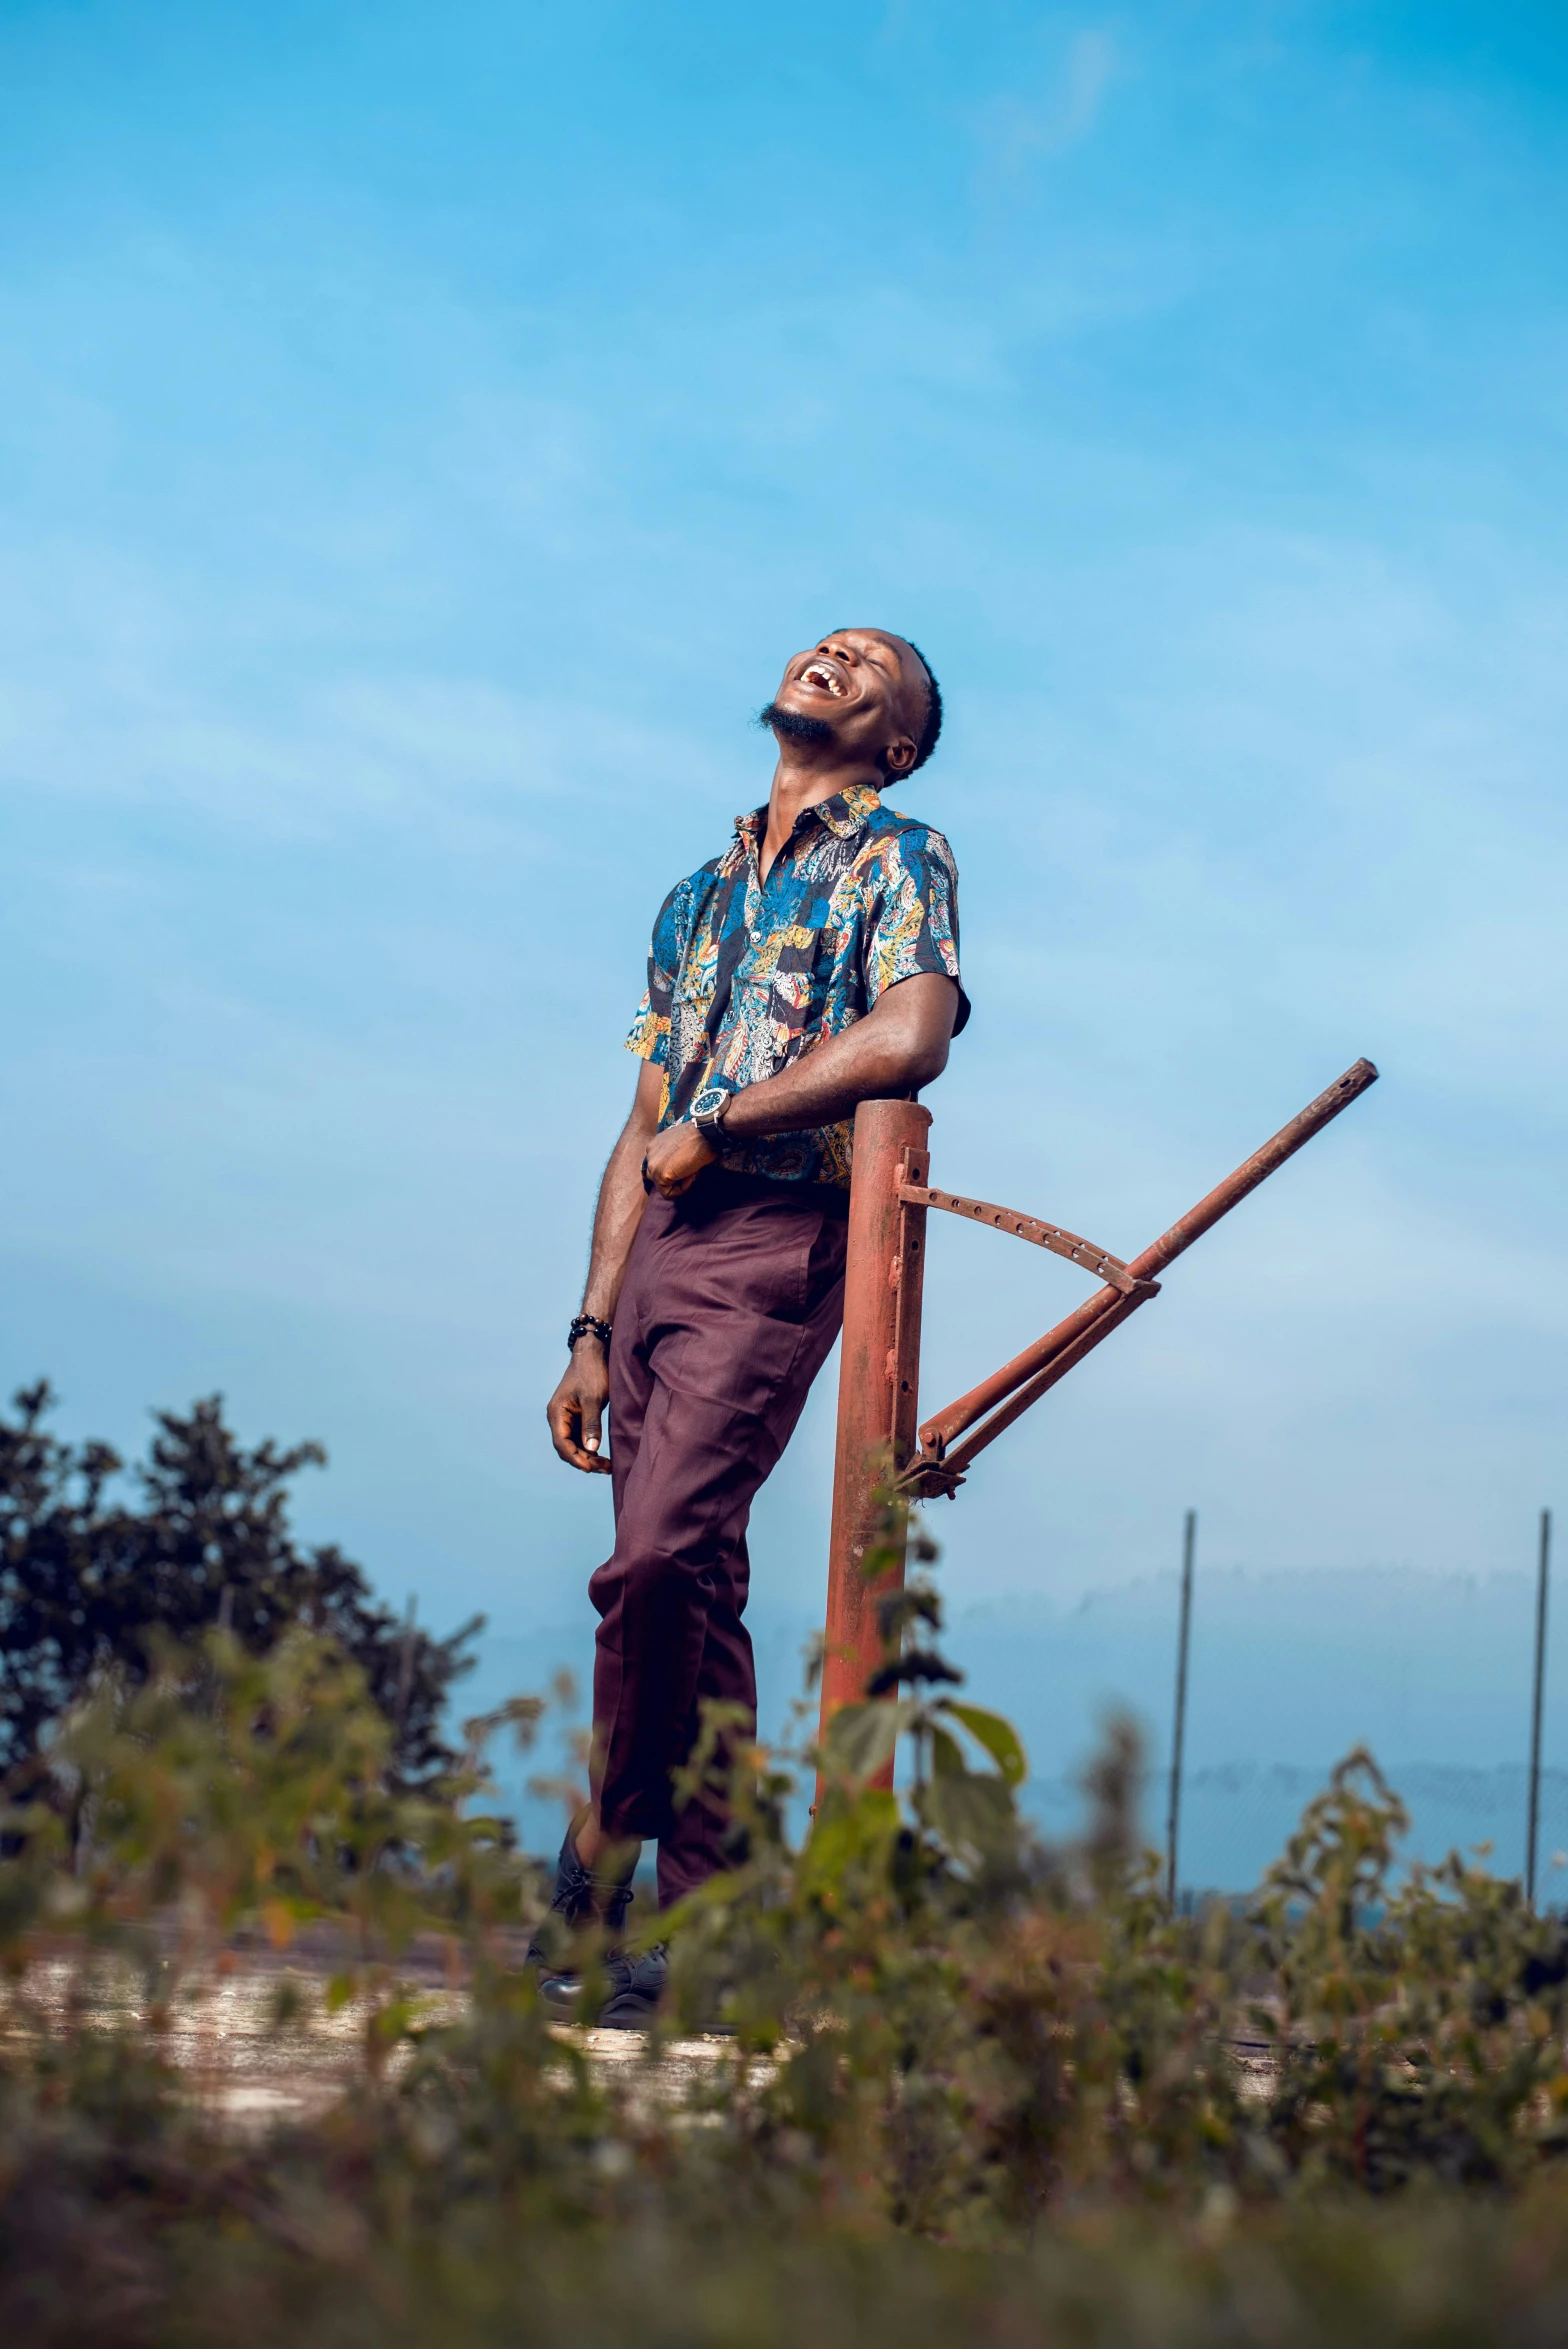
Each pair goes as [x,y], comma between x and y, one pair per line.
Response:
[805,777]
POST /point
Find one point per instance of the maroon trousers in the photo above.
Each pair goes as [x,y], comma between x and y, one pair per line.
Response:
[732,1300]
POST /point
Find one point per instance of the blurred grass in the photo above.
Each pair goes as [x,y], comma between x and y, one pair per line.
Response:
[968,2082]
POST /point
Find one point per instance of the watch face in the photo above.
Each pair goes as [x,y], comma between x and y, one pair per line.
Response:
[710,1102]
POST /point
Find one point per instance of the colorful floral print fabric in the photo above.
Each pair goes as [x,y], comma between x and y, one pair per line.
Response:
[745,975]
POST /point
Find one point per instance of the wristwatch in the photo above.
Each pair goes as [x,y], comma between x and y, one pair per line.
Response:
[707,1112]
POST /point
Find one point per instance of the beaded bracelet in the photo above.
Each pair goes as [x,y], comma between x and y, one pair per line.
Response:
[588,1325]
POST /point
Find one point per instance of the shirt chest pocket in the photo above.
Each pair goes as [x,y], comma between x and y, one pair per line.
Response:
[795,1007]
[695,982]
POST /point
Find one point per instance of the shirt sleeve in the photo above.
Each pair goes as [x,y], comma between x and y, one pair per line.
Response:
[914,925]
[649,1034]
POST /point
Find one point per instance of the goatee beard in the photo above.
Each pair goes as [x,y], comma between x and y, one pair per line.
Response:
[791,726]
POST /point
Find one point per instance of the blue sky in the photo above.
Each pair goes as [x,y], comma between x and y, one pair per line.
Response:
[423,434]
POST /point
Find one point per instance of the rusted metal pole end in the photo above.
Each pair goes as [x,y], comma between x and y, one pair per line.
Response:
[877,1381]
[1039,1367]
[1255,1170]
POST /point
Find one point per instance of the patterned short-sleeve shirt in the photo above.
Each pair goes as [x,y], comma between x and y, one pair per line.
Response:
[745,975]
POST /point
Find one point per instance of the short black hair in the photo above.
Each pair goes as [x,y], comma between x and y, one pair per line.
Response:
[933,701]
[931,731]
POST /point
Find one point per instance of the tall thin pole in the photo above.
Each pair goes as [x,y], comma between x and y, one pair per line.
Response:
[1542,1573]
[1188,1542]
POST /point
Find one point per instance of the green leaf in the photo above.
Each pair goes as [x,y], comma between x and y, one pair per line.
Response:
[861,1738]
[972,1812]
[998,1736]
[947,1757]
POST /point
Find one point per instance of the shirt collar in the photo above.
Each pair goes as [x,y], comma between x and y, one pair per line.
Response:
[844,814]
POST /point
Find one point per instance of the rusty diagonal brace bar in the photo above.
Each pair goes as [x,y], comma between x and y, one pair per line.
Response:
[1026,1227]
[1008,1392]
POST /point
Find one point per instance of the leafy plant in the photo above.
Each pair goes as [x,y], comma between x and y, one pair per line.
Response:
[959,2079]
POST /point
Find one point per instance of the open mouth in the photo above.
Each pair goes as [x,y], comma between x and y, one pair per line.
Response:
[825,677]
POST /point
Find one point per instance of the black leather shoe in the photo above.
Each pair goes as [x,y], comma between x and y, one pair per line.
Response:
[578,1899]
[636,1989]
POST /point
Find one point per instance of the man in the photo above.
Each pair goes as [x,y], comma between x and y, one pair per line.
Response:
[812,966]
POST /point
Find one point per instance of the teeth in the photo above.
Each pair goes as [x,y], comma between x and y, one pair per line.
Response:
[826,677]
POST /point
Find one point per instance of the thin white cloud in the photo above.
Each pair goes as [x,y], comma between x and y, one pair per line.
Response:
[1017,128]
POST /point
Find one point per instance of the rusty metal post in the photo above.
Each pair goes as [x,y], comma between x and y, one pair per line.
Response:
[878,1380]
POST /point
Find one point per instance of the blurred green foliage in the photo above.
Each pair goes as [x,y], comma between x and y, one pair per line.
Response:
[953,2078]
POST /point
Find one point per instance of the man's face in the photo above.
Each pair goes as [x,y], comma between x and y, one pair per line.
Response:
[868,687]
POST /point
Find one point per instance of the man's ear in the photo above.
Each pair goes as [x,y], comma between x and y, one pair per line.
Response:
[899,756]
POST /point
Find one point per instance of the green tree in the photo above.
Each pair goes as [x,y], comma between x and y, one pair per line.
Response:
[91,1574]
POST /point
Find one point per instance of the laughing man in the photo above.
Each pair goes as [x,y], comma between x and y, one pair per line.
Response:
[810,966]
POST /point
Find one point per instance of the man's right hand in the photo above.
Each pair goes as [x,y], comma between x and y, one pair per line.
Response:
[576,1409]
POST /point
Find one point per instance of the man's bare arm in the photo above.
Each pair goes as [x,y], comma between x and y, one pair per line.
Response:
[901,1044]
[576,1409]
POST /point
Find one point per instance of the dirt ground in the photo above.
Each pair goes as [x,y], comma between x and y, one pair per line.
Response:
[226,2042]
[225,2039]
